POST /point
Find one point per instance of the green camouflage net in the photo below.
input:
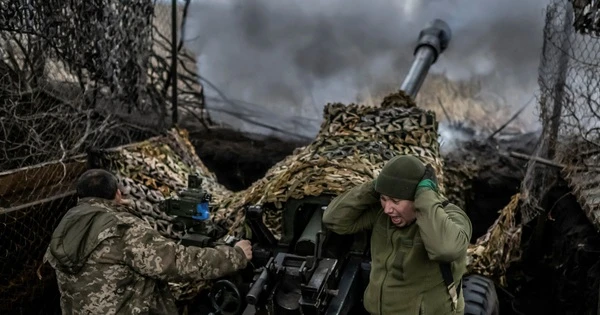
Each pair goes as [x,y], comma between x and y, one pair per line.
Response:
[153,170]
[493,252]
[352,146]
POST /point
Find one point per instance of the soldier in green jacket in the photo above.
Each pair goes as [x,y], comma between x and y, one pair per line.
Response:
[112,262]
[418,243]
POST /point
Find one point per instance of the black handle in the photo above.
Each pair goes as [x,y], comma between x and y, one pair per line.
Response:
[257,288]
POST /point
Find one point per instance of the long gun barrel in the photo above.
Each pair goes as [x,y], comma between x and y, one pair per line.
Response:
[433,40]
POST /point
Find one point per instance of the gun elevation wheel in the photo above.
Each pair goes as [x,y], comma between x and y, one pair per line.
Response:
[226,298]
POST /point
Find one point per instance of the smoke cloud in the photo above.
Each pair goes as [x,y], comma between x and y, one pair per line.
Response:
[278,62]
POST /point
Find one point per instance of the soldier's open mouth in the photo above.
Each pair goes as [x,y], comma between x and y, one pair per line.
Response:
[396,220]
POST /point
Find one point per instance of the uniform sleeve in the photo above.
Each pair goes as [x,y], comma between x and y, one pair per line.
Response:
[155,256]
[353,211]
[445,231]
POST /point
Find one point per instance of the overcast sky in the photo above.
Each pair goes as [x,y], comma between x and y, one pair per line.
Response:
[287,59]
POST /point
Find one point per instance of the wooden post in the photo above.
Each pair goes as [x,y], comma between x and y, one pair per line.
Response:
[174,62]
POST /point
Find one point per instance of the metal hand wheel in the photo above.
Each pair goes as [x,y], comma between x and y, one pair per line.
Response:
[226,298]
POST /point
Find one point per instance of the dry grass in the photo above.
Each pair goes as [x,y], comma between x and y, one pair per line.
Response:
[462,101]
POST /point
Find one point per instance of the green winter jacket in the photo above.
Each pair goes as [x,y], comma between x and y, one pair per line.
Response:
[405,273]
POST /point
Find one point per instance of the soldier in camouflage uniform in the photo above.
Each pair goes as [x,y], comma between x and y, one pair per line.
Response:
[112,262]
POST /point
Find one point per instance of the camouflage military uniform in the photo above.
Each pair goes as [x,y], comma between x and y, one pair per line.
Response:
[110,262]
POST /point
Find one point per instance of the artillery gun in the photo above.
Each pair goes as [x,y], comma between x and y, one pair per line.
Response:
[299,267]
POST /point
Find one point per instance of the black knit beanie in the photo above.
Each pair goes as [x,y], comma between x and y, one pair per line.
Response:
[399,177]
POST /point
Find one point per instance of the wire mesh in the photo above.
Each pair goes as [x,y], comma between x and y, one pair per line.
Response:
[569,80]
[75,76]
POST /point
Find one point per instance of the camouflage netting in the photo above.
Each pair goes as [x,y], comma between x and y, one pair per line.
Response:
[484,180]
[75,74]
[153,170]
[353,144]
[587,19]
[494,220]
[582,173]
[56,63]
[120,32]
[459,180]
[493,253]
[569,80]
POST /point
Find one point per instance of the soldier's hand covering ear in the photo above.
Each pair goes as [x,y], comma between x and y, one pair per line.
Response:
[429,180]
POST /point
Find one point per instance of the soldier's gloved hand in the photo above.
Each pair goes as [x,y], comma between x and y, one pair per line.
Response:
[246,246]
[429,179]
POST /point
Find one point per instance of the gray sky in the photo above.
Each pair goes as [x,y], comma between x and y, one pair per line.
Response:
[289,58]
